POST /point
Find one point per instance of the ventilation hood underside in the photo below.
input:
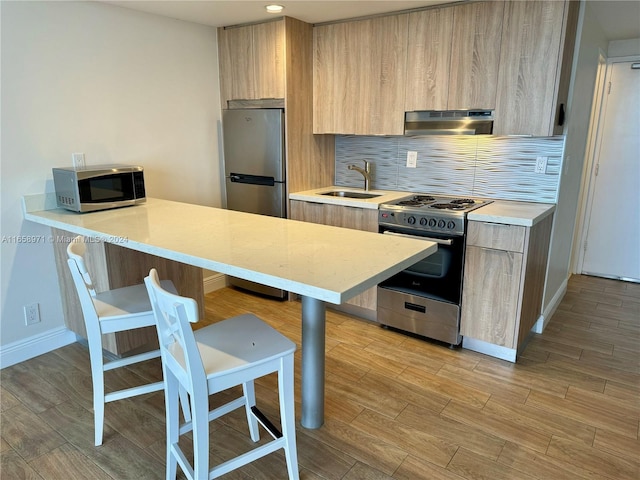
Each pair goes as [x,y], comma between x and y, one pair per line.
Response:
[449,122]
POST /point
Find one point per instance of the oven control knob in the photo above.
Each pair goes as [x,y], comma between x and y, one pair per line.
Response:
[451,225]
[411,220]
[423,221]
[432,222]
[441,223]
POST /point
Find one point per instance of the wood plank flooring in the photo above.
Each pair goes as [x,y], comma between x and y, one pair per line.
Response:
[396,407]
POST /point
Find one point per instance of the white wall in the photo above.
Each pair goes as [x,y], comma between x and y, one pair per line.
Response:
[590,42]
[624,48]
[119,85]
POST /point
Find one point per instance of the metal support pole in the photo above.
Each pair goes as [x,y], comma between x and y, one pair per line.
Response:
[313,338]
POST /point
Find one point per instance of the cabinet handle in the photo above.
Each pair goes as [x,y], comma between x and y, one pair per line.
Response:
[415,307]
[561,115]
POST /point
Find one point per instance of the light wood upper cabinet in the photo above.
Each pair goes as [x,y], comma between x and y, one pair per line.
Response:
[269,44]
[428,59]
[535,63]
[252,61]
[359,72]
[475,55]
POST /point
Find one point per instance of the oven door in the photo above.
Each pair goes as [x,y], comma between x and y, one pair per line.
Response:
[439,276]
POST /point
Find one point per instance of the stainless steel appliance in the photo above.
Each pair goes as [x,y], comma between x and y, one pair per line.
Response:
[254,166]
[425,298]
[448,122]
[99,187]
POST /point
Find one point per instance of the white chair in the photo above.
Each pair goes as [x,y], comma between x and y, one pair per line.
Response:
[112,311]
[214,358]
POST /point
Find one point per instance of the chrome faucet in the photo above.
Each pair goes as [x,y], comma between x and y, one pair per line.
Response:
[366,173]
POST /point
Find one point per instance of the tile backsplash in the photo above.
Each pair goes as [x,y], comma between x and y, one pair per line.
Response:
[478,166]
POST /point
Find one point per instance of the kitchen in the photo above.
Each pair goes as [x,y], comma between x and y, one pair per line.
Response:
[121,84]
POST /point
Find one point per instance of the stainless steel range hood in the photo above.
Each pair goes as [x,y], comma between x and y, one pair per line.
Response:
[448,122]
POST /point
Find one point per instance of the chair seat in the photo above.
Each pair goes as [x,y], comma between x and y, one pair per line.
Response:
[127,302]
[237,342]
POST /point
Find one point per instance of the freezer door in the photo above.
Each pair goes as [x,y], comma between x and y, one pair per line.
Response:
[267,198]
[254,142]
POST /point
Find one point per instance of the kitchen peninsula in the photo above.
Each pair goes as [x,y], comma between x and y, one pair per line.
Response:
[318,262]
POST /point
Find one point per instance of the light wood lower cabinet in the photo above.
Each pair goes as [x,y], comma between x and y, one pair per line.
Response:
[346,217]
[504,277]
[112,266]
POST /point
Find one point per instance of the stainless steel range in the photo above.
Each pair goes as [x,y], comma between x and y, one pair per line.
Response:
[425,298]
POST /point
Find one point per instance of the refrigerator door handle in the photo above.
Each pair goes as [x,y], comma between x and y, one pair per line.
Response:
[252,179]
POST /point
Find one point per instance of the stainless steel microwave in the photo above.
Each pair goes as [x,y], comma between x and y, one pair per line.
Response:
[99,187]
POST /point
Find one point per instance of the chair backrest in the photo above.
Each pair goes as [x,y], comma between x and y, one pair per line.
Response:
[84,287]
[76,251]
[178,348]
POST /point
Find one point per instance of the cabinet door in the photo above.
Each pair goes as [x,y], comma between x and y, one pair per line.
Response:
[359,71]
[529,67]
[428,59]
[475,55]
[269,62]
[351,217]
[306,211]
[235,48]
[490,295]
[335,78]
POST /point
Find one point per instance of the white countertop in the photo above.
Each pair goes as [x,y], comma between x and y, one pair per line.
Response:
[326,263]
[316,196]
[526,214]
[499,211]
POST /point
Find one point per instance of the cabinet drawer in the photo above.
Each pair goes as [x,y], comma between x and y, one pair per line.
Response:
[494,235]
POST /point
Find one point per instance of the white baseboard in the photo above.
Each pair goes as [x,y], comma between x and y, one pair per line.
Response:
[497,351]
[215,282]
[60,337]
[550,309]
[37,345]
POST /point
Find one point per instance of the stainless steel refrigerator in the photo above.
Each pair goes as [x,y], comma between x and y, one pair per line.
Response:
[254,168]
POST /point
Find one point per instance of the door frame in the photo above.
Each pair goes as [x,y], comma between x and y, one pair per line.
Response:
[594,141]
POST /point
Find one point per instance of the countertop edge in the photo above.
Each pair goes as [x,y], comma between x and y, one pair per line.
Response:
[526,214]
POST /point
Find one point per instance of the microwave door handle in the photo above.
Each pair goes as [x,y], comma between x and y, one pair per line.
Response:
[416,237]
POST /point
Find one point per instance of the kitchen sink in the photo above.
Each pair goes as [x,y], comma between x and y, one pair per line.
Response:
[347,194]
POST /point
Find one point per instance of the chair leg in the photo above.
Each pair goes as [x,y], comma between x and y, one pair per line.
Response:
[200,421]
[184,401]
[97,378]
[287,415]
[249,391]
[173,421]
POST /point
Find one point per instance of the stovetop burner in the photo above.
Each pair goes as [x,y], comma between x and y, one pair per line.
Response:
[417,201]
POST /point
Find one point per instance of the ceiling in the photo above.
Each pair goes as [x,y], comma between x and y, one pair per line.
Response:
[619,19]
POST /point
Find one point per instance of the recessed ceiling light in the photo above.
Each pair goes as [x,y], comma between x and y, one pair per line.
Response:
[274,8]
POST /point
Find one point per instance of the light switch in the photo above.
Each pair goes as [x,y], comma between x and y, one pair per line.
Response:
[412,159]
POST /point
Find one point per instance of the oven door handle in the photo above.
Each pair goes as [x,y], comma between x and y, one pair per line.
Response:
[416,237]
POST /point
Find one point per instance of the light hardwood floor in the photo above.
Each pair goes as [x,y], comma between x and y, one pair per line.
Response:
[396,407]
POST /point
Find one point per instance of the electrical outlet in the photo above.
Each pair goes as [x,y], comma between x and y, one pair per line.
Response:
[541,164]
[412,159]
[31,314]
[77,160]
